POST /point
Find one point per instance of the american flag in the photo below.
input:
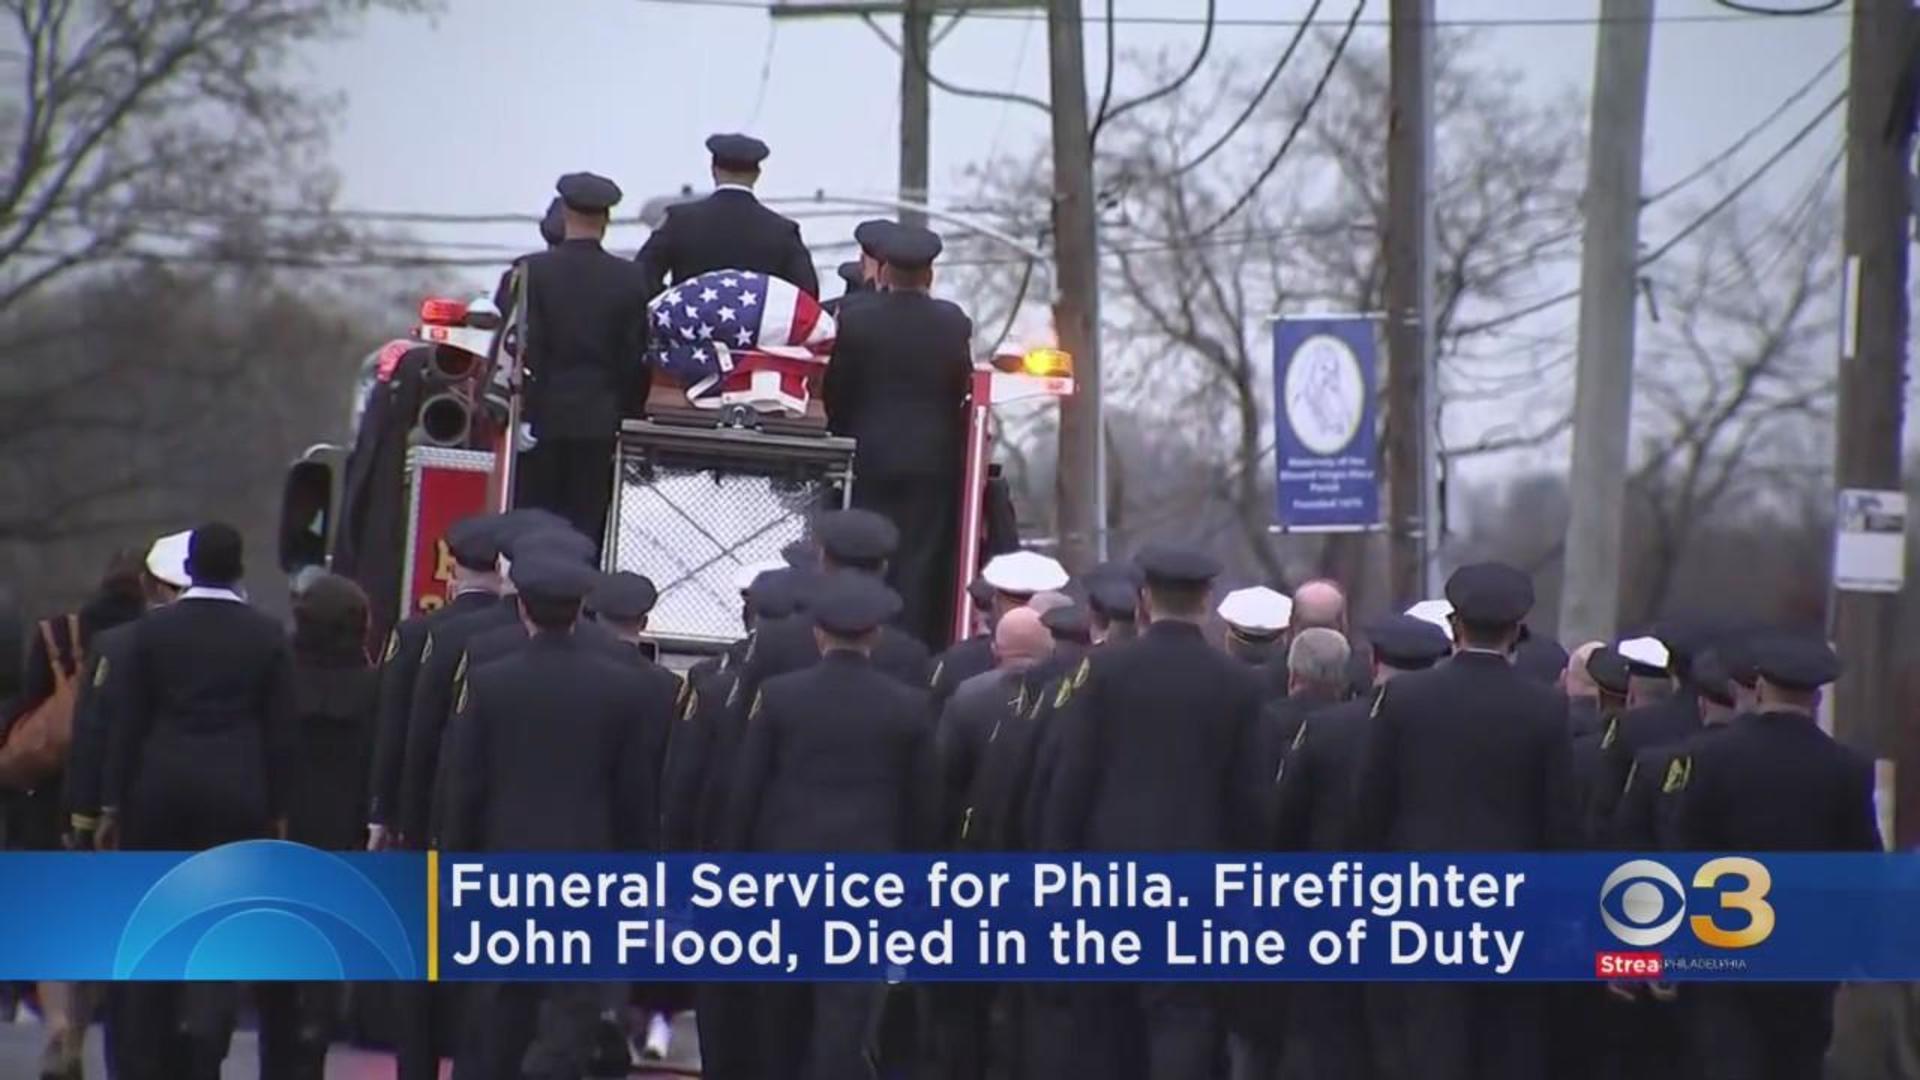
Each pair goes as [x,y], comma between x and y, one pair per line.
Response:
[734,337]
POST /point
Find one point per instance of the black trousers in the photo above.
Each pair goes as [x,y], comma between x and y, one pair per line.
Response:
[543,1031]
[1146,1031]
[1470,1031]
[572,478]
[724,1014]
[926,509]
[425,1023]
[1761,1031]
[1327,1033]
[819,1031]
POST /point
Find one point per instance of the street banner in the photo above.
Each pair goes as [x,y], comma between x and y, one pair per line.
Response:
[275,910]
[1326,440]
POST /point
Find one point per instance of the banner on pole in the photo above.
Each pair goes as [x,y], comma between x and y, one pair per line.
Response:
[1326,443]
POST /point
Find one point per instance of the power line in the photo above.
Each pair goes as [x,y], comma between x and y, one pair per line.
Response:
[1299,122]
[1735,16]
[1740,144]
[1199,57]
[1688,230]
[1820,8]
[1259,95]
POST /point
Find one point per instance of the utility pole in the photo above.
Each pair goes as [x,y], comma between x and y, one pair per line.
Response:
[1873,361]
[916,105]
[1603,394]
[1412,504]
[1080,479]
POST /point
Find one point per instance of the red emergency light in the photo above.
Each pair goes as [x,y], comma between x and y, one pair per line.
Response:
[437,312]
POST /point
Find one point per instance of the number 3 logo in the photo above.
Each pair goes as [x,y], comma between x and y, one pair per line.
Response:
[1752,899]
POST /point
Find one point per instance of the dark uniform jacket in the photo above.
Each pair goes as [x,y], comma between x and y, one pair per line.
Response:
[335,709]
[1468,756]
[995,814]
[586,333]
[1280,722]
[1158,749]
[399,674]
[1643,819]
[559,749]
[1663,723]
[816,775]
[967,724]
[442,665]
[960,662]
[202,747]
[1314,788]
[900,372]
[1774,782]
[727,230]
[93,720]
[784,645]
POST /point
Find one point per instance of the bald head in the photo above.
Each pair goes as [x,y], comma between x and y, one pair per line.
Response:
[1020,640]
[1319,603]
[1575,681]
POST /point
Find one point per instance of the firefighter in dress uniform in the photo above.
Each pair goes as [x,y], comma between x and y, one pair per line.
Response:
[727,230]
[1150,726]
[898,383]
[1771,781]
[557,748]
[1009,581]
[1327,1025]
[1470,756]
[816,776]
[586,334]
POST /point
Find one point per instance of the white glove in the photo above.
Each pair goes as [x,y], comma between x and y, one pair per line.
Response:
[523,439]
[376,837]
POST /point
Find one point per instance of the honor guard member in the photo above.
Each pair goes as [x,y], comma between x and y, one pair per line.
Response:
[729,229]
[1318,663]
[854,286]
[586,333]
[1327,1028]
[1112,601]
[898,382]
[861,276]
[1014,579]
[1662,708]
[1470,756]
[736,652]
[851,541]
[473,545]
[1257,621]
[553,230]
[558,748]
[1644,819]
[1773,781]
[1611,678]
[443,663]
[1541,659]
[817,776]
[1157,754]
[201,753]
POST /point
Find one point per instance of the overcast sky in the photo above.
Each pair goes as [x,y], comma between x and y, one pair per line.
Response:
[481,107]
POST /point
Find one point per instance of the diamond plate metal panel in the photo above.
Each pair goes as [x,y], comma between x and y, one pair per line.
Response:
[691,523]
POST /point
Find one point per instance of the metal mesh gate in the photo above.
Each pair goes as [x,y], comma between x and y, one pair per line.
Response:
[695,505]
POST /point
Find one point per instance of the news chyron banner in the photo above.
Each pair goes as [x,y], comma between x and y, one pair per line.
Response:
[270,910]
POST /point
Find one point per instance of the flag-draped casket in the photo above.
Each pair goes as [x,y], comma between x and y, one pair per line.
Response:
[735,337]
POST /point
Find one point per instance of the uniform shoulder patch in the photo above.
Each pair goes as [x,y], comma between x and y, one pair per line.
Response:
[1679,771]
[1080,673]
[1299,737]
[1633,770]
[460,704]
[939,668]
[1612,734]
[1063,695]
[733,694]
[100,673]
[759,699]
[1379,698]
[460,669]
[426,651]
[393,647]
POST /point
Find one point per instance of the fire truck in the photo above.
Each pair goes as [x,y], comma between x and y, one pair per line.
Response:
[698,494]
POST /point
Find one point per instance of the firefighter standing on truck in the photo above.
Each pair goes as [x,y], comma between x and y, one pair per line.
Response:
[729,229]
[586,332]
[898,383]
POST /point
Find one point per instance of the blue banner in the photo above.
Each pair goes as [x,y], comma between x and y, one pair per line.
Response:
[1326,443]
[268,910]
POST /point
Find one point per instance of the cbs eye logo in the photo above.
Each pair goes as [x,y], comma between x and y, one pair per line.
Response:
[1642,903]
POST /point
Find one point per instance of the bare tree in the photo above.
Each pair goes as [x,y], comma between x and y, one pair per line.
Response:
[1197,262]
[138,119]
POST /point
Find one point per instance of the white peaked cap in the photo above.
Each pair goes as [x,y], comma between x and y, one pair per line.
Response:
[1024,573]
[1650,651]
[1436,612]
[167,559]
[743,580]
[1258,610]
